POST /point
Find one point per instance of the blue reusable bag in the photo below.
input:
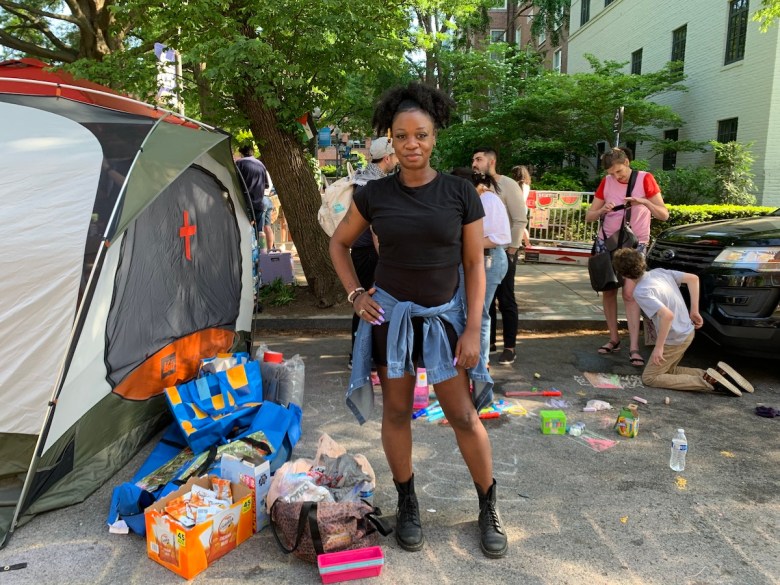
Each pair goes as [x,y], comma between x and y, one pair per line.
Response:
[215,407]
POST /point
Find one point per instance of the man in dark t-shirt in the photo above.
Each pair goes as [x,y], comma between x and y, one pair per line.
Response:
[255,177]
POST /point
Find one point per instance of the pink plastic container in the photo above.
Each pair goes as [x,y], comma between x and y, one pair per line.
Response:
[347,565]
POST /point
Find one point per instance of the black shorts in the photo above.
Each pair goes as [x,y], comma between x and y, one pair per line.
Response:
[379,341]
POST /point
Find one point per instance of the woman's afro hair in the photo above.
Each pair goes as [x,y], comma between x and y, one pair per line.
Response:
[415,96]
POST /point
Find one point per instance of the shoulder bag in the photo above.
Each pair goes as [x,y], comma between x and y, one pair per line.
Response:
[602,274]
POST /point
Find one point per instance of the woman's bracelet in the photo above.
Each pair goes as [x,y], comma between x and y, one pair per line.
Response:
[355,294]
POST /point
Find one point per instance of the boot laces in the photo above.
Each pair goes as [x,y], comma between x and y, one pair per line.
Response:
[490,516]
[408,510]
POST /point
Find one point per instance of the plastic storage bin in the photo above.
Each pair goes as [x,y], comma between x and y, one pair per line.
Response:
[347,565]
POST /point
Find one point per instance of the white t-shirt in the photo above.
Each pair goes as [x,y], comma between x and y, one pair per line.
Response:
[495,224]
[661,288]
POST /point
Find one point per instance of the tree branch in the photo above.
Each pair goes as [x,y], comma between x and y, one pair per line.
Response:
[15,8]
[82,10]
[12,42]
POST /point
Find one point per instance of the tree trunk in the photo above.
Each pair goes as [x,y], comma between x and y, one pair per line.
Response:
[284,156]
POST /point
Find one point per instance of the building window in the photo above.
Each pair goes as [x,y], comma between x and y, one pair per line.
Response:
[497,35]
[584,12]
[542,37]
[678,45]
[499,5]
[518,37]
[557,60]
[631,145]
[607,3]
[737,31]
[636,62]
[670,156]
[727,130]
[560,17]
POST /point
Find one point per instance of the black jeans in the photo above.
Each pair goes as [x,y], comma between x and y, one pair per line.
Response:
[505,294]
[365,260]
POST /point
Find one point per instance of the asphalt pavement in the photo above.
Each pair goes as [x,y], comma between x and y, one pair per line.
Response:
[595,509]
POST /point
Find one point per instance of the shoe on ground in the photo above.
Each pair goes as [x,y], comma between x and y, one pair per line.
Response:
[492,536]
[507,357]
[735,376]
[349,363]
[408,528]
[720,382]
[493,347]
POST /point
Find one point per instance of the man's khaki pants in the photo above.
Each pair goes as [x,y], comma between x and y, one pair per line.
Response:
[673,376]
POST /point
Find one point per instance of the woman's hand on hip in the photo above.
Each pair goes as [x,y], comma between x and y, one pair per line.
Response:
[368,309]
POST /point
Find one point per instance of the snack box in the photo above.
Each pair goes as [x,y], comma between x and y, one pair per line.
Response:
[256,476]
[553,422]
[347,565]
[188,551]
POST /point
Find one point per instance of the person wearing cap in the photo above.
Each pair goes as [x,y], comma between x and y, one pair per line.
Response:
[255,177]
[364,252]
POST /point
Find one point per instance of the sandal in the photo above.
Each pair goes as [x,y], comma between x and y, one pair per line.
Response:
[610,347]
[636,358]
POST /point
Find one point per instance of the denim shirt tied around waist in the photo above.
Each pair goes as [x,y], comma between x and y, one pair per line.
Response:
[437,354]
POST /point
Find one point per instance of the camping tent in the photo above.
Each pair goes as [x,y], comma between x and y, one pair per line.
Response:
[126,258]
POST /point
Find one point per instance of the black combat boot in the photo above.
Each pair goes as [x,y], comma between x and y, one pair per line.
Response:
[492,538]
[408,531]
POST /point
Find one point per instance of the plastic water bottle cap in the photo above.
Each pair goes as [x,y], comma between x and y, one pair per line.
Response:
[273,357]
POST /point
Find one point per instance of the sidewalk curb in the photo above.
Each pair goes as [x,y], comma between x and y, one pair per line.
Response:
[342,324]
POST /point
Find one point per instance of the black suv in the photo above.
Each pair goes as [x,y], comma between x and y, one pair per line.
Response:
[738,265]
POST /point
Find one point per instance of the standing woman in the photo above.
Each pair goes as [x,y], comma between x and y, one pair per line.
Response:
[523,177]
[646,203]
[428,223]
[496,237]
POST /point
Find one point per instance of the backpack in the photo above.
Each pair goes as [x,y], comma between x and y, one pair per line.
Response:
[335,202]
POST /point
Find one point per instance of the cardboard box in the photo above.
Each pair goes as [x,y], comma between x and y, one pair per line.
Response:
[188,551]
[256,476]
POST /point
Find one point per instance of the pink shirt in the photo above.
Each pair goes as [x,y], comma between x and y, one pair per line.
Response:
[612,190]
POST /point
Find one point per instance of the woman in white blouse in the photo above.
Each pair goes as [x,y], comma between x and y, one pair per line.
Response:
[496,237]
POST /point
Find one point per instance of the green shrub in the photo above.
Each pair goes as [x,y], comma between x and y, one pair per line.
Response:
[733,172]
[688,186]
[558,181]
[277,294]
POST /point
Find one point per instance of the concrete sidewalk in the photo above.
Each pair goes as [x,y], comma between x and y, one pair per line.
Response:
[550,297]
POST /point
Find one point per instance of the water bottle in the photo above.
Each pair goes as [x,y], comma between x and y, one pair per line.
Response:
[679,449]
[420,390]
[262,246]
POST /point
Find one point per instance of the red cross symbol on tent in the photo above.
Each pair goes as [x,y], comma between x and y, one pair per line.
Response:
[187,231]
